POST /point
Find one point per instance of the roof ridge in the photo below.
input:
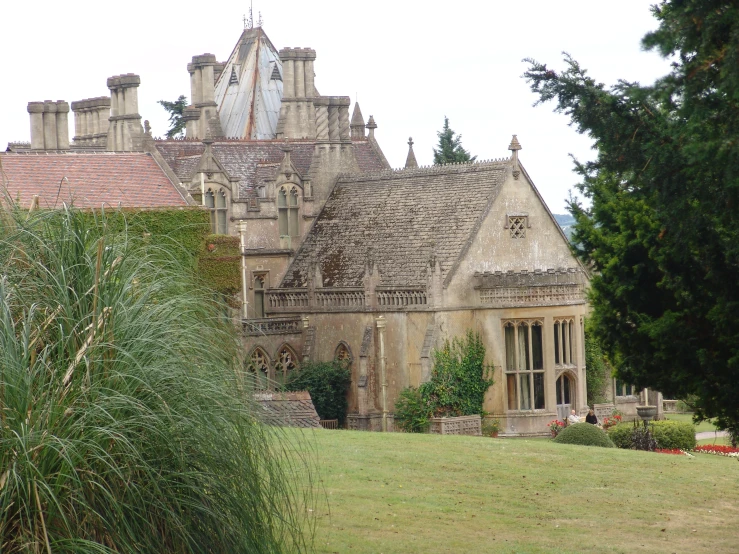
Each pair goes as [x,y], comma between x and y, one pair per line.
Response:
[424,170]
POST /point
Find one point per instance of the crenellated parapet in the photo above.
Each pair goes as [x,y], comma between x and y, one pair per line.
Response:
[541,287]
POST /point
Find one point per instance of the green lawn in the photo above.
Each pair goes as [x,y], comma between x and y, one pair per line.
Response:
[427,493]
[688,418]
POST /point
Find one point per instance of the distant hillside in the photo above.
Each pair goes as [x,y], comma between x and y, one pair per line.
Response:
[566,221]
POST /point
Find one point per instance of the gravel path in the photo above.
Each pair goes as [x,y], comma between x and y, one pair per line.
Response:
[710,435]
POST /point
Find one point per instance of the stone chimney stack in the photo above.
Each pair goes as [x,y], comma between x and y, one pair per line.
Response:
[49,125]
[298,112]
[91,121]
[125,132]
[204,71]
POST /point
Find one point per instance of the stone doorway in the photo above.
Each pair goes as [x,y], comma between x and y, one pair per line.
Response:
[565,396]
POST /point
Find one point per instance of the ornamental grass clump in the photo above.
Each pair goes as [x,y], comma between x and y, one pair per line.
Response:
[584,434]
[124,425]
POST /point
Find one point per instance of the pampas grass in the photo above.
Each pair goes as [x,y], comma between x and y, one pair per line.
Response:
[124,425]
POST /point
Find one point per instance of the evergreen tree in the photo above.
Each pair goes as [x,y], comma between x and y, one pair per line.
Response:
[662,228]
[175,109]
[450,147]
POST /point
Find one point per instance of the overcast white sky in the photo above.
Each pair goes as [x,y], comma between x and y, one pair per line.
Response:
[409,62]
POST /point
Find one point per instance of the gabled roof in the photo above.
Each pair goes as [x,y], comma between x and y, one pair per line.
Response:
[291,409]
[401,220]
[249,90]
[88,180]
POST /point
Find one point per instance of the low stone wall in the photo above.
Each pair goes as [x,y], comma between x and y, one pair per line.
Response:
[369,422]
[462,425]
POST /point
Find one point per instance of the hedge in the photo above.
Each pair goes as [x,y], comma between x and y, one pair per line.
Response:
[673,434]
[584,434]
[668,434]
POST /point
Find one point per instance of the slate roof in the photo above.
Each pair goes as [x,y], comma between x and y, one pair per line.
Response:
[242,158]
[399,220]
[291,409]
[114,179]
[249,105]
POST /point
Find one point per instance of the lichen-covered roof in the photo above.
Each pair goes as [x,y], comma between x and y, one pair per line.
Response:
[399,220]
[248,160]
[287,409]
[88,180]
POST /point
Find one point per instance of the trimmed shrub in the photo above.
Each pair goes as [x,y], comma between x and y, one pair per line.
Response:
[327,383]
[621,434]
[584,434]
[673,434]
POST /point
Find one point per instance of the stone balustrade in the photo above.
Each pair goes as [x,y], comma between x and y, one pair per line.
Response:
[334,299]
[397,298]
[301,300]
[271,326]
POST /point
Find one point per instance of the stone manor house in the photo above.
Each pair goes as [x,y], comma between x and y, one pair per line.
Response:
[343,257]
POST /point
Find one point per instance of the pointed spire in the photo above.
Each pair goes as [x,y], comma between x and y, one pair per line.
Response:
[410,161]
[371,125]
[357,124]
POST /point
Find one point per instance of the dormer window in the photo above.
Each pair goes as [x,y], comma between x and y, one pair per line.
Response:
[216,202]
[287,212]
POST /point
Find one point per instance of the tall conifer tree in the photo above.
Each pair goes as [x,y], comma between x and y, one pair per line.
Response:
[662,227]
[450,147]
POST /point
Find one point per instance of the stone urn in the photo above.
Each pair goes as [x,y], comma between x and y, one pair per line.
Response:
[646,413]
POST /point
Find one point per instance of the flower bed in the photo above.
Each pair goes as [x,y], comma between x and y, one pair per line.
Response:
[718,449]
[671,451]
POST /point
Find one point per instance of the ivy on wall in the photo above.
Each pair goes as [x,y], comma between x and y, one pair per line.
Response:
[219,264]
[185,235]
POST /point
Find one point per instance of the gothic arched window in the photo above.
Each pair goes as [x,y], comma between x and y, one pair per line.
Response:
[287,212]
[258,365]
[285,362]
[215,201]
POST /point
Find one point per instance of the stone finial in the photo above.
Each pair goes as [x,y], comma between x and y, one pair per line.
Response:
[357,124]
[410,161]
[371,125]
[147,127]
[514,147]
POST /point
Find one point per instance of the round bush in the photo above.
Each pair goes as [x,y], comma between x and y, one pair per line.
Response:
[584,434]
[673,434]
[621,434]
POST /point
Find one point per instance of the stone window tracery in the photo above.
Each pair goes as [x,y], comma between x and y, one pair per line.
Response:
[258,365]
[564,339]
[517,226]
[524,364]
[285,362]
[215,201]
[287,212]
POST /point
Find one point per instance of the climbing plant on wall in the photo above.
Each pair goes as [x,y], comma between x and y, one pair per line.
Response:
[459,380]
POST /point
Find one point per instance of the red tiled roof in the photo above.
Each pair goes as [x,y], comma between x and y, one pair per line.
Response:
[113,179]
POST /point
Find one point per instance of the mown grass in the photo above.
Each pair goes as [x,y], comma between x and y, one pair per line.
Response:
[427,493]
[701,427]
